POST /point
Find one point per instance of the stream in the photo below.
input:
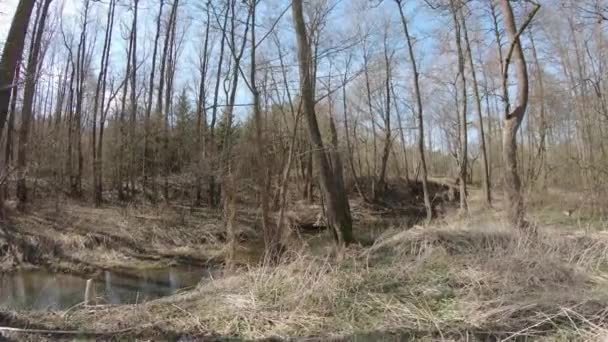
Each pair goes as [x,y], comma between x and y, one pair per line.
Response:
[45,290]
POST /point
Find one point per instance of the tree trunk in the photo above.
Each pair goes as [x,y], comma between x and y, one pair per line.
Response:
[338,209]
[100,91]
[514,201]
[28,99]
[381,187]
[121,123]
[132,139]
[416,78]
[147,122]
[273,234]
[349,146]
[211,144]
[462,118]
[12,54]
[485,170]
[201,115]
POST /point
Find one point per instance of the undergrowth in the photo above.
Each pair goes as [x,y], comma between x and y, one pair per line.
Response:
[450,282]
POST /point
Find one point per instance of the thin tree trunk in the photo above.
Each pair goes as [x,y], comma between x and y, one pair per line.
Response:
[381,187]
[462,119]
[122,133]
[100,91]
[349,146]
[8,156]
[416,78]
[273,234]
[211,145]
[485,170]
[201,115]
[147,123]
[132,139]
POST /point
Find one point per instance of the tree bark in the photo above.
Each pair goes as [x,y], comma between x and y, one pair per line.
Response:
[132,139]
[381,187]
[416,79]
[485,170]
[201,115]
[28,99]
[462,118]
[12,54]
[514,201]
[338,209]
[100,92]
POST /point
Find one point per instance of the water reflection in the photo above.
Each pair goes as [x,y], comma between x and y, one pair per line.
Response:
[42,290]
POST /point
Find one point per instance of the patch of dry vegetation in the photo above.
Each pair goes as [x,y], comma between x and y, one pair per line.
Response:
[448,282]
[76,237]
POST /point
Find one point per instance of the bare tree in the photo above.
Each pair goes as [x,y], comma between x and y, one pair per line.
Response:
[28,99]
[513,118]
[100,92]
[416,81]
[462,113]
[338,209]
[485,169]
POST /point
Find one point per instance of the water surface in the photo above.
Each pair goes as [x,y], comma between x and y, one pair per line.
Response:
[44,290]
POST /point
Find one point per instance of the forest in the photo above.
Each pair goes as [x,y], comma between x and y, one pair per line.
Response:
[303,170]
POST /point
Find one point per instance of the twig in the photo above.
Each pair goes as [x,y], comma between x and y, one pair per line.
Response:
[64,332]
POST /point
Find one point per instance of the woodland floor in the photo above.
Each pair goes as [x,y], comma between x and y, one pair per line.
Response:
[458,279]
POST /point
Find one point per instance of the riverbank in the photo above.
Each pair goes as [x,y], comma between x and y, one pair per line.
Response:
[470,278]
[441,282]
[77,238]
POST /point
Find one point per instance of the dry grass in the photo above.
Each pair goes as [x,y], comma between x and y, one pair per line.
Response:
[460,279]
[75,237]
[449,282]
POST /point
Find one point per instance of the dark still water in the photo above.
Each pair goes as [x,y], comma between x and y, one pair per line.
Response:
[43,290]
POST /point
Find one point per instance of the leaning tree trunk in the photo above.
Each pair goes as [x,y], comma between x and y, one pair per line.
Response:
[514,201]
[416,78]
[338,209]
[11,55]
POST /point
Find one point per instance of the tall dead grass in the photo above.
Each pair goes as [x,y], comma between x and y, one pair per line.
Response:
[450,282]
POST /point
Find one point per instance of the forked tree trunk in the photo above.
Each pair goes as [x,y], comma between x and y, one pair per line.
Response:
[338,209]
[514,201]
